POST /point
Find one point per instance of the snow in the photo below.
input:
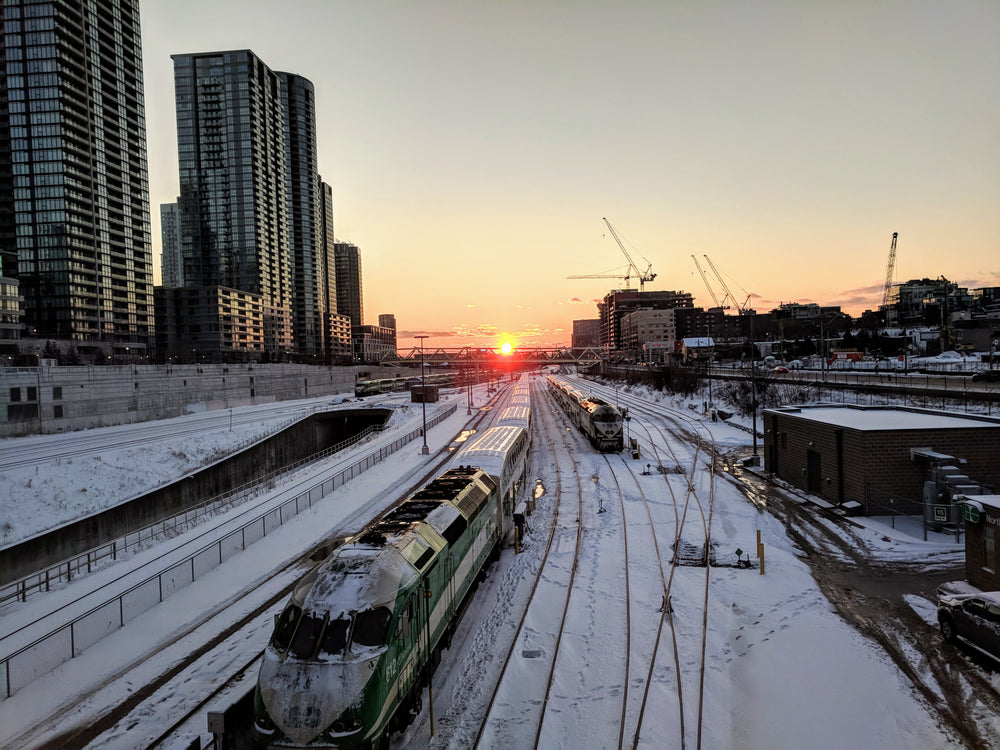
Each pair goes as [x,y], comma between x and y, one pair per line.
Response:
[784,670]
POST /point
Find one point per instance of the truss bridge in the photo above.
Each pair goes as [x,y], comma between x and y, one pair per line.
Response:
[481,356]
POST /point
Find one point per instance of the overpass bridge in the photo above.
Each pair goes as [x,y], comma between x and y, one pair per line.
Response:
[474,356]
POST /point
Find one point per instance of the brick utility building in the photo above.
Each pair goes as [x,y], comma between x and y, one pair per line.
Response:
[882,457]
[982,553]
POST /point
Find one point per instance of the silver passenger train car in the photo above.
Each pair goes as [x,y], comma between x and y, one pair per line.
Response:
[502,452]
[600,421]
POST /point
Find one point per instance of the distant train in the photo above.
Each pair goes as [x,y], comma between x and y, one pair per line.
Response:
[597,419]
[362,633]
[389,385]
[380,385]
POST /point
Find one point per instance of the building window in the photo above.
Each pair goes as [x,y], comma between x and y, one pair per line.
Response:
[56,392]
[15,394]
[57,411]
[32,393]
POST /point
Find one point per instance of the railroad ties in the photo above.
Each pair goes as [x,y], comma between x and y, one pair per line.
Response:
[694,555]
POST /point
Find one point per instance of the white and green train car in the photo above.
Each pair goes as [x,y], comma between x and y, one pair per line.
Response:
[502,452]
[362,632]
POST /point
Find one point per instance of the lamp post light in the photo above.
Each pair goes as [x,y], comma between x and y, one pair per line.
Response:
[753,387]
[468,383]
[423,392]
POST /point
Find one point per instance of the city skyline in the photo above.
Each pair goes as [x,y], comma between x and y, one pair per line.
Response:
[474,149]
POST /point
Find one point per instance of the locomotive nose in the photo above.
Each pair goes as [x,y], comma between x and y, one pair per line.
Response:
[303,700]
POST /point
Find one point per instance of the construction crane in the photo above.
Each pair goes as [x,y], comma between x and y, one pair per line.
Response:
[631,270]
[743,308]
[890,267]
[707,285]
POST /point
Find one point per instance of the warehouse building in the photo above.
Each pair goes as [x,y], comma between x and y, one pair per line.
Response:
[884,460]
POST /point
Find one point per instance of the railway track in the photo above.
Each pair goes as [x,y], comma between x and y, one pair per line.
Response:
[515,711]
[691,491]
[624,612]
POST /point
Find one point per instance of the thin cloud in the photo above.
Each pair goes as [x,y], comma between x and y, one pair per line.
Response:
[431,334]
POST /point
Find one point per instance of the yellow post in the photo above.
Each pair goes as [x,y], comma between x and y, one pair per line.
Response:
[760,552]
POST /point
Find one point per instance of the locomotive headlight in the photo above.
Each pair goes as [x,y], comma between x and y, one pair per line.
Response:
[263,724]
[346,724]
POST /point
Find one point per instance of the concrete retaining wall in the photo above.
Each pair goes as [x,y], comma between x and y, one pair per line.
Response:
[62,399]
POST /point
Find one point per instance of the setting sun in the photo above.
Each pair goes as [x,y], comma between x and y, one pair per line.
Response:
[505,347]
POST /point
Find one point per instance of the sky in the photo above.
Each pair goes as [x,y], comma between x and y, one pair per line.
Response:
[475,148]
[767,683]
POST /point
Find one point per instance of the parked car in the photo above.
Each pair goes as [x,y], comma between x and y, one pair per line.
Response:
[975,618]
[781,368]
[989,376]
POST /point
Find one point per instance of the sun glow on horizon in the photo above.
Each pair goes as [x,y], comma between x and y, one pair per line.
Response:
[506,348]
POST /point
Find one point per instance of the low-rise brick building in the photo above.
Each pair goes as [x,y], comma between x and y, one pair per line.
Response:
[982,551]
[877,456]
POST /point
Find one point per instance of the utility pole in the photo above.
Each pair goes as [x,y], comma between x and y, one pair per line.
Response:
[753,386]
[423,392]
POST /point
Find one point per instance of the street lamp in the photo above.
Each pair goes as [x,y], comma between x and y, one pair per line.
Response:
[468,383]
[423,392]
[753,387]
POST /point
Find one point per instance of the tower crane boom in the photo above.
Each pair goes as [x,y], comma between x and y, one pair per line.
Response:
[643,276]
[631,270]
[744,308]
[708,286]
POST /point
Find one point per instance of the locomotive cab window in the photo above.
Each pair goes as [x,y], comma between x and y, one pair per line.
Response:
[371,626]
[307,636]
[405,618]
[285,627]
[335,636]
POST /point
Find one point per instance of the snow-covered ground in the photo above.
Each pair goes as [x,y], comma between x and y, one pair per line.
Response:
[784,671]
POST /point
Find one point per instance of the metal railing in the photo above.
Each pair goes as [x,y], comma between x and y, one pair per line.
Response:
[44,654]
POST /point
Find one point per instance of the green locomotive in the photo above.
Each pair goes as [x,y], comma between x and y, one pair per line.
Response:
[362,632]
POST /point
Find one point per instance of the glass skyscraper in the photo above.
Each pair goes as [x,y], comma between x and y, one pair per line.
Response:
[74,194]
[232,161]
[350,301]
[305,214]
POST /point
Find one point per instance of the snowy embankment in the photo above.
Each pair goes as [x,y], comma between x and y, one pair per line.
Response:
[52,492]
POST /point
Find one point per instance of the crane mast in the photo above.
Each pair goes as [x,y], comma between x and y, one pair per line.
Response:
[890,267]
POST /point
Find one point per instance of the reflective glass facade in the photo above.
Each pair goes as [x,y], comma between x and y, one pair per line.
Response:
[348,269]
[231,157]
[74,194]
[170,235]
[305,214]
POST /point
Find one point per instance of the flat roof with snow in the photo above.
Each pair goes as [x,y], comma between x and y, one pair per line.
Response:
[875,418]
[989,501]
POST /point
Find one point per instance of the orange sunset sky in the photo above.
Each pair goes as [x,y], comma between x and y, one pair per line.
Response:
[474,147]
